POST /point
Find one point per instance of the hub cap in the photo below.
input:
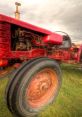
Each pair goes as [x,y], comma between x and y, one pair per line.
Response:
[42,88]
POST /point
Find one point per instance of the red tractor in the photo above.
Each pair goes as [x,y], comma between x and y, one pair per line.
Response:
[72,55]
[36,83]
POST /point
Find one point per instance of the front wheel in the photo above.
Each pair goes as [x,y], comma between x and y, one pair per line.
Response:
[34,86]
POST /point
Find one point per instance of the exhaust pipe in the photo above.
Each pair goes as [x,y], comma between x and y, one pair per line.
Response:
[17,13]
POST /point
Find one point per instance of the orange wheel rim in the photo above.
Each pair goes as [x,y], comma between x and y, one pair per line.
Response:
[42,88]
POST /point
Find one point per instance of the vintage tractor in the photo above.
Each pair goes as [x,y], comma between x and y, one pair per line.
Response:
[36,83]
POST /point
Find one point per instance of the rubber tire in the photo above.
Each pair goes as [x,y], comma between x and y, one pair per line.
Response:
[18,84]
[12,79]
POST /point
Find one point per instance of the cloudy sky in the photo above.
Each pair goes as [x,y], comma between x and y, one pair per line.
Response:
[55,15]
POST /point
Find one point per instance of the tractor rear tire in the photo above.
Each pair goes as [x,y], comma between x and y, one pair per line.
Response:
[34,86]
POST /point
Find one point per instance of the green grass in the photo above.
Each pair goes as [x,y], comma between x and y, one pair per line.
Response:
[68,102]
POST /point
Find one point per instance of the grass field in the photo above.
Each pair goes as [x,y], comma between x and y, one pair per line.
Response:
[68,102]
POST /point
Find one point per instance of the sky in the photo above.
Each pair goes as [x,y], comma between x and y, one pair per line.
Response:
[54,15]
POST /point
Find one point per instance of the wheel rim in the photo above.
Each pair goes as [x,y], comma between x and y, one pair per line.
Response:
[42,88]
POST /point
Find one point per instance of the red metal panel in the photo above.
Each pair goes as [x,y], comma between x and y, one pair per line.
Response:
[53,39]
[4,26]
[23,24]
[61,55]
[5,36]
[27,54]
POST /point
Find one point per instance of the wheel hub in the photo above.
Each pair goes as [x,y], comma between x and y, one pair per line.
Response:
[41,87]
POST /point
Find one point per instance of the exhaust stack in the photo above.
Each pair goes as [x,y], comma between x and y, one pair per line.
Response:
[17,13]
